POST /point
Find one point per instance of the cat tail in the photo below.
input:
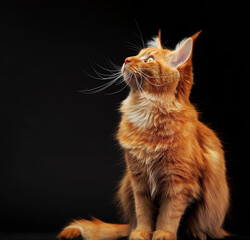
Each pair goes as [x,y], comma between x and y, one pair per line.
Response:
[94,229]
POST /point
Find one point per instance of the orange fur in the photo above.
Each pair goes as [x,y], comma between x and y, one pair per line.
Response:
[94,230]
[173,160]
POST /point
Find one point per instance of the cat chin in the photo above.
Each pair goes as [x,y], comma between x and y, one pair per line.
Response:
[125,73]
[126,77]
[131,82]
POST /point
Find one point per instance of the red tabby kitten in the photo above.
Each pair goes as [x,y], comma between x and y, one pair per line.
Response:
[173,160]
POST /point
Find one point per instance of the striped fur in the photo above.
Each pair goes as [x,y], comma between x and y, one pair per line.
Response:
[173,160]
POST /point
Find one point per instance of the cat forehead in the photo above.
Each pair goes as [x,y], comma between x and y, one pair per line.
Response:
[152,52]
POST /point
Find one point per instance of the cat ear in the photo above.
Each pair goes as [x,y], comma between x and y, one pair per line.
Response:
[183,51]
[155,42]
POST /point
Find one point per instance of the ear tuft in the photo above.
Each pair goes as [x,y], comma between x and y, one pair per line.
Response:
[196,35]
[182,52]
[155,42]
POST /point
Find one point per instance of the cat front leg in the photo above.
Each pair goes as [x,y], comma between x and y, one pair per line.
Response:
[170,212]
[143,209]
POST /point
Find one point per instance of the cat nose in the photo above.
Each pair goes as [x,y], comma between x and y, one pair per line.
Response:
[127,60]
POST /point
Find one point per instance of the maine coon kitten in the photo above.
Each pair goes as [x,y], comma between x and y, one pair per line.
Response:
[173,160]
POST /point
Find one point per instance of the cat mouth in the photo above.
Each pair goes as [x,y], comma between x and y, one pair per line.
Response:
[123,68]
[128,75]
[131,78]
[125,72]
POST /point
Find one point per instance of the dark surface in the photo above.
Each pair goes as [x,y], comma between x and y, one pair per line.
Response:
[59,159]
[52,236]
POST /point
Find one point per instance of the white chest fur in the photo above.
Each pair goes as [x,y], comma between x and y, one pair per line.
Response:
[140,114]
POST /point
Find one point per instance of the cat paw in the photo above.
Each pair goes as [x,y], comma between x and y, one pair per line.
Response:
[140,235]
[163,235]
[70,232]
[200,236]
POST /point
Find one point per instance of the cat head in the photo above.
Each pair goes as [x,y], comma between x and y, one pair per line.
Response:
[157,70]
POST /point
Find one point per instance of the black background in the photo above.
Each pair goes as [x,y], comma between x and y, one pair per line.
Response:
[59,158]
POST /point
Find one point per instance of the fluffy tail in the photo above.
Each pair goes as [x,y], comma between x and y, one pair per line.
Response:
[94,230]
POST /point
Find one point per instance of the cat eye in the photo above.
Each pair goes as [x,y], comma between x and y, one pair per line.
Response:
[150,59]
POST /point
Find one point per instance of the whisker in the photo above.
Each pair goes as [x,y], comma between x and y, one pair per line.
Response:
[121,88]
[106,76]
[99,88]
[112,64]
[102,76]
[113,75]
[134,47]
[162,76]
[120,81]
[154,84]
[142,92]
[143,43]
[107,69]
[145,76]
